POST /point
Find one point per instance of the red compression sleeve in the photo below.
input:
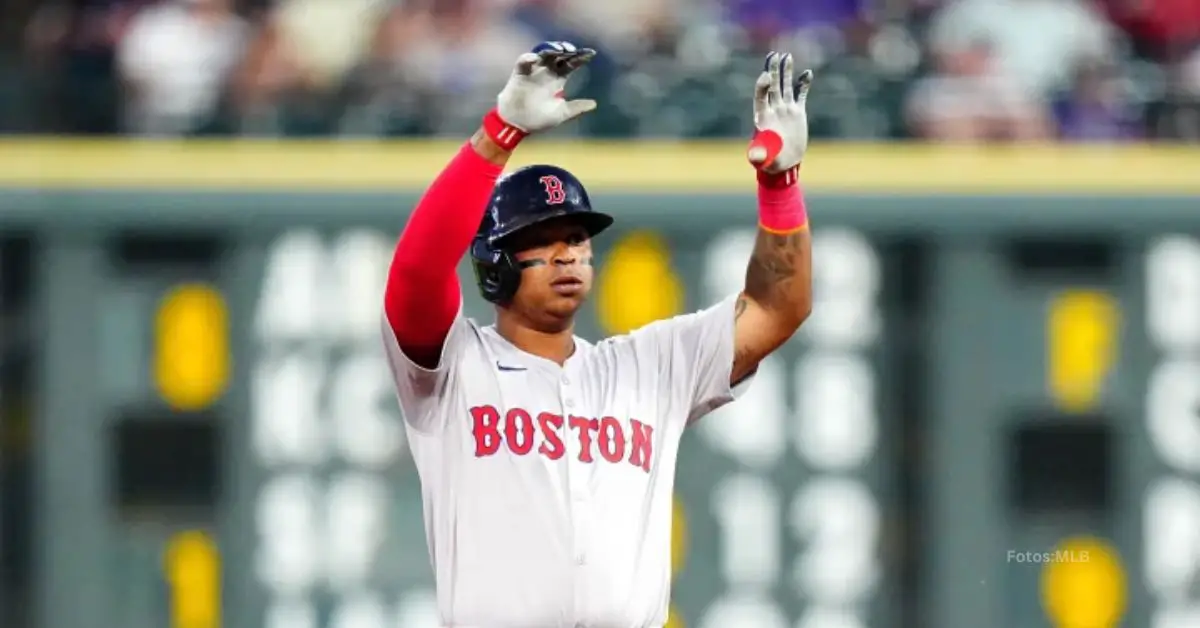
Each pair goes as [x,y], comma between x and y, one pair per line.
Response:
[423,293]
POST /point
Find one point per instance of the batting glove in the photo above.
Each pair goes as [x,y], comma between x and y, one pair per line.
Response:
[780,119]
[533,100]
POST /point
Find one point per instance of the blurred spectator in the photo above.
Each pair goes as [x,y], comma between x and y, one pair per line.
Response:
[73,48]
[1037,44]
[294,73]
[866,83]
[1097,107]
[1177,115]
[621,28]
[1190,74]
[942,70]
[764,21]
[455,54]
[380,98]
[1164,36]
[175,63]
[626,32]
[968,100]
[1163,30]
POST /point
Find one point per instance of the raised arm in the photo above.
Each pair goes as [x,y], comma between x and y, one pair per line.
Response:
[423,295]
[777,297]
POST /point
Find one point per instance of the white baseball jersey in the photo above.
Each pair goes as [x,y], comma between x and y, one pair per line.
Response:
[548,490]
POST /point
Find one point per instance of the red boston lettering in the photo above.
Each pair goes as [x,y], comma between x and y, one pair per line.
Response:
[486,428]
[584,427]
[642,446]
[518,431]
[611,439]
[552,445]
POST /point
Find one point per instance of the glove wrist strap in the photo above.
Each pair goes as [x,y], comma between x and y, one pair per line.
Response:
[503,134]
[779,180]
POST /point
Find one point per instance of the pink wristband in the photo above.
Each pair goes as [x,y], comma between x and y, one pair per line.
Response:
[781,202]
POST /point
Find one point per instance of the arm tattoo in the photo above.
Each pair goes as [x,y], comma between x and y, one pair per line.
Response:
[740,352]
[773,268]
[778,279]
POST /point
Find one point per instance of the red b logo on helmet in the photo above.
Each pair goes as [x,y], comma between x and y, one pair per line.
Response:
[555,194]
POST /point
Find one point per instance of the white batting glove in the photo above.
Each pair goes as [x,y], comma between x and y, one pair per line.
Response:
[532,100]
[780,118]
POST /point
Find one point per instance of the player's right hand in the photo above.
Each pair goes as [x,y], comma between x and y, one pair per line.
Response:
[533,100]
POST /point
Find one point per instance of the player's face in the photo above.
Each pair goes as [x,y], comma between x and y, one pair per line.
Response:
[556,274]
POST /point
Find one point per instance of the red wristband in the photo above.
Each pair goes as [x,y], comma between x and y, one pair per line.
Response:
[505,135]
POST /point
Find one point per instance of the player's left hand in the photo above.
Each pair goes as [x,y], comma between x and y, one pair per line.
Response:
[780,118]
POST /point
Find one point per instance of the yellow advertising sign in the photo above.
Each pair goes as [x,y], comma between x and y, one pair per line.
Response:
[642,166]
[191,357]
[192,566]
[1084,586]
[1082,333]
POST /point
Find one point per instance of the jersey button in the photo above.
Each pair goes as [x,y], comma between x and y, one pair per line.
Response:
[569,403]
[566,380]
[580,560]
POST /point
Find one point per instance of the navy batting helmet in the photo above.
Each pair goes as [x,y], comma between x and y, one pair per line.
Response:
[526,197]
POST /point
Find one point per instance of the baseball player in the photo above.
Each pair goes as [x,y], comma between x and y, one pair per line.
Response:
[547,462]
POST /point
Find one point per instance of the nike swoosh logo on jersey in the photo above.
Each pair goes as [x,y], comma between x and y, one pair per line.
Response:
[502,367]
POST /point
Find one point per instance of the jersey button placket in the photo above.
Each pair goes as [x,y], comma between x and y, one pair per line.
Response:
[576,478]
[576,486]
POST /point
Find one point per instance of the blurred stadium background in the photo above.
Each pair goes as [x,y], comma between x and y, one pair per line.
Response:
[992,420]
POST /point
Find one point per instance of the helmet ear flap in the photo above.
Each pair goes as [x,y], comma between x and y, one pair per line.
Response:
[496,272]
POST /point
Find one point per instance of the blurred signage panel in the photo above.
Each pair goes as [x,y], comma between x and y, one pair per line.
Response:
[335,514]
